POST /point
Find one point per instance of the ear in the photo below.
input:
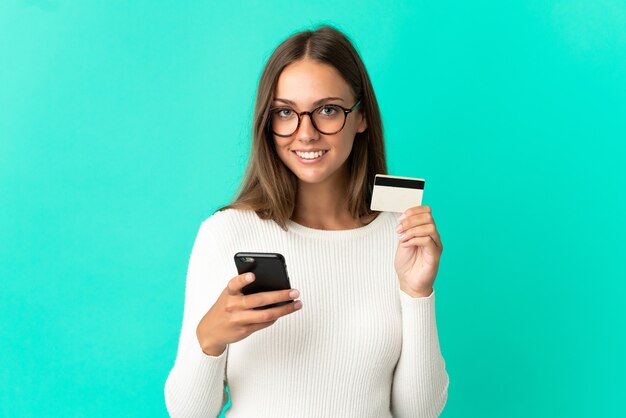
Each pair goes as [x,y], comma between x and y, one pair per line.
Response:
[362,126]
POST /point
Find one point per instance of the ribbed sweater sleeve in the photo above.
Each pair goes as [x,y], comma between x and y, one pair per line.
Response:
[420,381]
[195,385]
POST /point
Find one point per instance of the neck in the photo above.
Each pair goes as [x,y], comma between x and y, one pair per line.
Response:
[324,205]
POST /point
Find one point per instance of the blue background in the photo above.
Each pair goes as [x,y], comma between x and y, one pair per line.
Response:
[124,124]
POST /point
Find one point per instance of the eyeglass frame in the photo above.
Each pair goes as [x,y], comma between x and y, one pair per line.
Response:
[346,111]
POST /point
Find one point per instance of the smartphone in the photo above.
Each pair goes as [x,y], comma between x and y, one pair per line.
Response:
[270,271]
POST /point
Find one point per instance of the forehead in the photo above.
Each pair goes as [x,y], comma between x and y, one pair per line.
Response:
[306,81]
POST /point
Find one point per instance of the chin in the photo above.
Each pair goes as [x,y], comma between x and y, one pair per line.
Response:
[310,179]
[318,177]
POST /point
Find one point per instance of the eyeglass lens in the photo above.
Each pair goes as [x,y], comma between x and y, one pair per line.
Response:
[327,119]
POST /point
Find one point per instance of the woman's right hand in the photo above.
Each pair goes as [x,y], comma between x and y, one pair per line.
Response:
[232,317]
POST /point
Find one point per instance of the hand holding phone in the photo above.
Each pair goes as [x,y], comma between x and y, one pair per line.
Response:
[235,315]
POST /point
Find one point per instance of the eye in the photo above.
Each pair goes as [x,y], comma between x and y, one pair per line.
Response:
[329,110]
[283,112]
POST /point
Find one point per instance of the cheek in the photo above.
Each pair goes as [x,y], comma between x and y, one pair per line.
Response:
[282,151]
[346,143]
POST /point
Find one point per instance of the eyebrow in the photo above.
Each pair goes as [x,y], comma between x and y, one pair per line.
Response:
[315,103]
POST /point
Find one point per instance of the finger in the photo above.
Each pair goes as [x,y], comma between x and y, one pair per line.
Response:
[429,230]
[265,298]
[418,231]
[415,210]
[427,241]
[271,314]
[239,282]
[415,220]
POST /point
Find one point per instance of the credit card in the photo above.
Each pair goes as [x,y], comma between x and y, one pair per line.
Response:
[396,194]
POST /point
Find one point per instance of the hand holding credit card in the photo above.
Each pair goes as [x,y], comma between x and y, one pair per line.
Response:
[396,194]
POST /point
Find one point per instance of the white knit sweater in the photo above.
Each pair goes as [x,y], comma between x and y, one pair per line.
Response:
[359,347]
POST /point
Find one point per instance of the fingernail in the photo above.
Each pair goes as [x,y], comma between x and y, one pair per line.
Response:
[249,277]
[402,217]
[399,228]
[297,305]
[294,294]
[400,236]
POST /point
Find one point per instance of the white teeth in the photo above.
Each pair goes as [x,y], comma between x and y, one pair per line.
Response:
[310,155]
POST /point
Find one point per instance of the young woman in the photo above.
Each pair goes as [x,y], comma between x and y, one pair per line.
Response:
[361,339]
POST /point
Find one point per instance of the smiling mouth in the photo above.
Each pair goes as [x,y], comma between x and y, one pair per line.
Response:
[310,155]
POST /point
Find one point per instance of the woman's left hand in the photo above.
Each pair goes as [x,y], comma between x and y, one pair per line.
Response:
[419,251]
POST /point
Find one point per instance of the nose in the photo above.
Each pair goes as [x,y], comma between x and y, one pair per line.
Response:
[306,131]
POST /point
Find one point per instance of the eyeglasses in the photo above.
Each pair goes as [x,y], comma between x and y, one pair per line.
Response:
[327,119]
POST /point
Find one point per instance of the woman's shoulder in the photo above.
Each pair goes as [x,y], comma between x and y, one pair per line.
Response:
[227,216]
[222,226]
[232,221]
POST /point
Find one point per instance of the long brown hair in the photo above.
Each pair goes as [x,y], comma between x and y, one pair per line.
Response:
[268,186]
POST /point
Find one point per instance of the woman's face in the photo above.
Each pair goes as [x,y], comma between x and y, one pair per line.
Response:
[304,85]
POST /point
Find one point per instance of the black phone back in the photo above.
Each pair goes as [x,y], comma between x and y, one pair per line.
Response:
[269,269]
